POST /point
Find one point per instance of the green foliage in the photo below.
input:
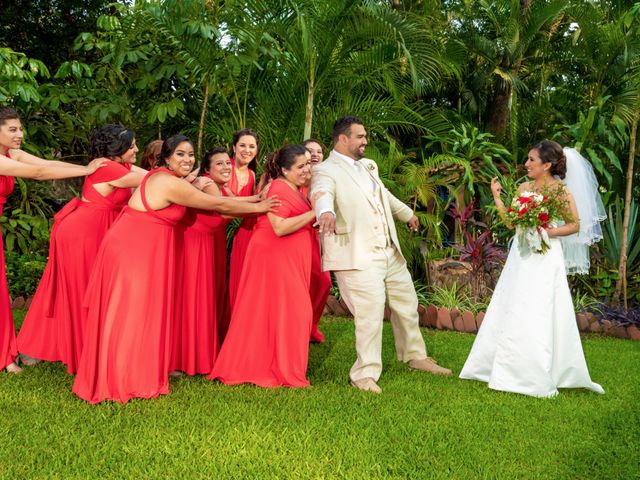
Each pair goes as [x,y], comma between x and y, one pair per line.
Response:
[23,272]
[583,302]
[612,233]
[25,233]
[469,158]
[455,297]
[18,74]
[601,285]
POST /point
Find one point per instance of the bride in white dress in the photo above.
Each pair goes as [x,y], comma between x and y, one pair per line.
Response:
[529,342]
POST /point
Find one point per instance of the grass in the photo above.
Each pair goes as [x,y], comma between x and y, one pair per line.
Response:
[420,427]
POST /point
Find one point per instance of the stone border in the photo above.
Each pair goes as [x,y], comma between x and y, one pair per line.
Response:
[455,320]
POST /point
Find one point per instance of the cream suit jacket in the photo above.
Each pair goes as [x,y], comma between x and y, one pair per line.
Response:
[351,197]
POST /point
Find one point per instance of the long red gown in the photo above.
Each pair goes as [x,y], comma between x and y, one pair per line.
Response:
[199,303]
[240,240]
[268,339]
[129,307]
[8,347]
[53,329]
[320,281]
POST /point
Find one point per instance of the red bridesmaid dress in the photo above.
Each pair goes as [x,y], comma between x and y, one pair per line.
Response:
[129,307]
[268,339]
[223,312]
[241,239]
[8,348]
[200,297]
[53,329]
[320,286]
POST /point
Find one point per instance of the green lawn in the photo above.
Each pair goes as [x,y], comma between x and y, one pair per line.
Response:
[420,427]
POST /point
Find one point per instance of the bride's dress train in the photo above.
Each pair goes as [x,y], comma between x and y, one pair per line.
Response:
[529,342]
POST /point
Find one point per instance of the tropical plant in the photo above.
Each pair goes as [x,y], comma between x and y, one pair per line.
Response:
[612,236]
[25,233]
[477,158]
[583,302]
[24,271]
[455,297]
[620,315]
[506,41]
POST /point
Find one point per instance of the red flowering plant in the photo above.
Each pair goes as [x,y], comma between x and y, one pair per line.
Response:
[479,250]
[531,213]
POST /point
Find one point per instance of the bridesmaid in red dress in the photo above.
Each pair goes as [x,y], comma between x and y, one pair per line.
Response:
[16,163]
[150,155]
[242,183]
[320,281]
[129,302]
[268,339]
[53,329]
[202,268]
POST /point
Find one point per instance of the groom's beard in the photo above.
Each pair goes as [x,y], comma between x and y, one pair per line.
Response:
[357,153]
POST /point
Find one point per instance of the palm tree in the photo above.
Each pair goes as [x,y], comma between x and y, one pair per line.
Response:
[328,59]
[507,41]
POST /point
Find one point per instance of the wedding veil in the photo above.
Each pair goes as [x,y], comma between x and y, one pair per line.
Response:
[583,185]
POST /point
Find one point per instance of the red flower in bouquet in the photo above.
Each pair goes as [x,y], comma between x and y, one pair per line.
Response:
[544,219]
[532,212]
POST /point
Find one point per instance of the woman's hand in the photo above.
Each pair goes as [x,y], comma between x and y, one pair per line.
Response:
[95,164]
[270,204]
[201,183]
[314,198]
[496,188]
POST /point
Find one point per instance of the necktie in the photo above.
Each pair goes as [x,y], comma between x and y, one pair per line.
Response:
[364,175]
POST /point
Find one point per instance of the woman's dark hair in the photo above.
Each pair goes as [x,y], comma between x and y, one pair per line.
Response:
[283,158]
[313,140]
[236,139]
[169,146]
[7,113]
[110,141]
[150,155]
[205,164]
[551,152]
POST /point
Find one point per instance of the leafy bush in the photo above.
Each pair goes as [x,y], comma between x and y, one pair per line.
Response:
[617,314]
[24,272]
[583,302]
[24,233]
[612,233]
[455,297]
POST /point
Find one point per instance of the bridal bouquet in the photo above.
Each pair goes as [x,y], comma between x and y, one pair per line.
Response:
[531,213]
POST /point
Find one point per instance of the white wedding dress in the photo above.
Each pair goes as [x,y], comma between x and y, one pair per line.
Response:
[529,342]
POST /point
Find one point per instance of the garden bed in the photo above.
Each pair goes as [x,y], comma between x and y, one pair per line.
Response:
[466,321]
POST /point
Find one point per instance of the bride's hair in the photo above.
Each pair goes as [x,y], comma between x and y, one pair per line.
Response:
[551,152]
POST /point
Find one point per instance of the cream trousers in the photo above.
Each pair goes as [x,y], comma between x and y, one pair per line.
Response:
[365,292]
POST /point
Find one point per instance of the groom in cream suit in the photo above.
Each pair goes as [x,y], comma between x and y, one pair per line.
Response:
[359,244]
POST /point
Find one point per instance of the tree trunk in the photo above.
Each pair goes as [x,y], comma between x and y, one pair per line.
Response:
[203,113]
[499,111]
[621,284]
[524,6]
[308,118]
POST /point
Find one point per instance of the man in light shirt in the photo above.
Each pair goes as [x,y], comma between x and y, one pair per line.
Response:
[360,245]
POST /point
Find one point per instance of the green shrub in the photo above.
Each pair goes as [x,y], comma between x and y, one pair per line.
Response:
[23,273]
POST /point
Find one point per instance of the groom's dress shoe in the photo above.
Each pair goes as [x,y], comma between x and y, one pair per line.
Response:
[367,384]
[429,365]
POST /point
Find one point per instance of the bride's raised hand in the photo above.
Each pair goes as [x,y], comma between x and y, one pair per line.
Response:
[496,188]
